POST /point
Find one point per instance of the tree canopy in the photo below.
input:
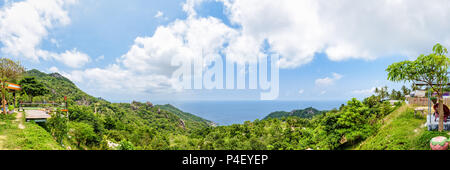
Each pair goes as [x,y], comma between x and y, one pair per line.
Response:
[430,69]
[9,71]
[32,87]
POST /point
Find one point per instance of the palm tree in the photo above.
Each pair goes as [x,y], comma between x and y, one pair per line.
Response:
[9,71]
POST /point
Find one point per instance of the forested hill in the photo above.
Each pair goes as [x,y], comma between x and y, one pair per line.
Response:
[59,86]
[186,116]
[95,123]
[305,113]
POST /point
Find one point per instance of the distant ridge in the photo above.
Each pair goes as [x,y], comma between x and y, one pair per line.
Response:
[185,115]
[307,113]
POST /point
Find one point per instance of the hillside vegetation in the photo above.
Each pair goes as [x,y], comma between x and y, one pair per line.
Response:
[59,86]
[193,120]
[301,113]
[336,129]
[94,123]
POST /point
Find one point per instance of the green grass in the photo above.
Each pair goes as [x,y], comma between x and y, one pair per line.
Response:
[401,131]
[33,137]
[32,108]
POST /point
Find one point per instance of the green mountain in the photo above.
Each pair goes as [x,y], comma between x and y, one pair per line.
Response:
[195,120]
[95,122]
[59,86]
[305,113]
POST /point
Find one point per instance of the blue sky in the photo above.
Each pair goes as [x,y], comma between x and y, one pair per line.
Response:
[117,50]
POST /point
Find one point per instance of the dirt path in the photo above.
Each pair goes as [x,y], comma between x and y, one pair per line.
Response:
[19,119]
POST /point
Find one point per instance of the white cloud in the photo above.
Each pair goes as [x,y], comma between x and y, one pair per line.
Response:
[116,80]
[343,29]
[159,14]
[327,81]
[73,58]
[54,70]
[147,65]
[292,28]
[189,6]
[55,42]
[297,30]
[364,91]
[301,91]
[24,25]
[182,39]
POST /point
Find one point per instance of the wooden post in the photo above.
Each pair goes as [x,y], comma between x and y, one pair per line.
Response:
[67,109]
[14,94]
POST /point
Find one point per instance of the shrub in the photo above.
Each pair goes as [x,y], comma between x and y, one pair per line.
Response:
[125,145]
[10,108]
[423,142]
[57,126]
[83,133]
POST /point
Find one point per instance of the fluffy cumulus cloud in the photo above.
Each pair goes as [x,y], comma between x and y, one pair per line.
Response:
[342,29]
[147,66]
[328,81]
[291,28]
[296,30]
[73,58]
[25,24]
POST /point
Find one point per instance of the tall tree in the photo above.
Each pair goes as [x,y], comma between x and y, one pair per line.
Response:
[430,69]
[9,71]
[33,87]
[382,92]
[405,90]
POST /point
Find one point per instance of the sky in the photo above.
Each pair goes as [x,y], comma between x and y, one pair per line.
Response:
[122,50]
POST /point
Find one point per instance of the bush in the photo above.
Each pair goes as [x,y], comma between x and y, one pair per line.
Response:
[423,142]
[125,145]
[10,108]
[83,133]
[7,116]
[57,126]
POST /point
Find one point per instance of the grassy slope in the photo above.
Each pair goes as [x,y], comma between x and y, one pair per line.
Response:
[401,131]
[33,137]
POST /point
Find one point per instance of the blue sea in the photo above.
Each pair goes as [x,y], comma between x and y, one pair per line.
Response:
[237,112]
